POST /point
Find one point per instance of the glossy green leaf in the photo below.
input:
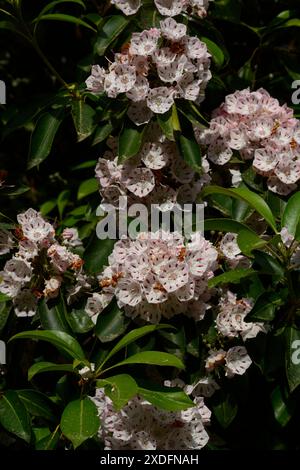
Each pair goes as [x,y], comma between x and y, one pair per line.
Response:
[132,336]
[43,136]
[59,339]
[87,188]
[291,216]
[102,132]
[111,324]
[167,399]
[79,321]
[231,277]
[49,442]
[283,406]
[253,199]
[265,307]
[268,264]
[37,404]
[191,152]
[226,225]
[65,18]
[97,253]
[215,50]
[155,358]
[13,415]
[80,421]
[109,32]
[130,142]
[120,389]
[83,118]
[40,367]
[225,410]
[53,315]
[248,242]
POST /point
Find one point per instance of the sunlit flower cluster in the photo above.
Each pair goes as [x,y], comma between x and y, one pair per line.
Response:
[157,175]
[142,426]
[257,127]
[157,275]
[39,262]
[155,68]
[230,321]
[165,7]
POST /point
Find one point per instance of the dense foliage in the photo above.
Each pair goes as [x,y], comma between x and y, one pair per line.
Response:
[150,343]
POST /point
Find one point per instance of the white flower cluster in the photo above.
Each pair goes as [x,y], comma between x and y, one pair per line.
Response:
[293,246]
[158,66]
[157,175]
[230,249]
[165,7]
[231,322]
[235,361]
[255,125]
[142,426]
[157,275]
[36,270]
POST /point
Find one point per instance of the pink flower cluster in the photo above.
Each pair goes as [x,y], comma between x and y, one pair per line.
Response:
[157,275]
[158,66]
[255,125]
[36,270]
[142,426]
[230,321]
[157,175]
[165,7]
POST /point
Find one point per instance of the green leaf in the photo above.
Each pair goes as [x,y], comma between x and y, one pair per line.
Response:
[283,406]
[41,367]
[13,415]
[291,216]
[59,339]
[112,28]
[47,207]
[225,411]
[102,132]
[80,421]
[79,321]
[87,188]
[248,241]
[97,253]
[37,404]
[43,136]
[65,18]
[59,2]
[111,324]
[268,264]
[62,201]
[132,336]
[292,357]
[167,398]
[52,315]
[130,142]
[50,442]
[120,389]
[5,309]
[191,152]
[265,307]
[83,118]
[215,50]
[253,199]
[155,358]
[226,225]
[231,277]
[169,123]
